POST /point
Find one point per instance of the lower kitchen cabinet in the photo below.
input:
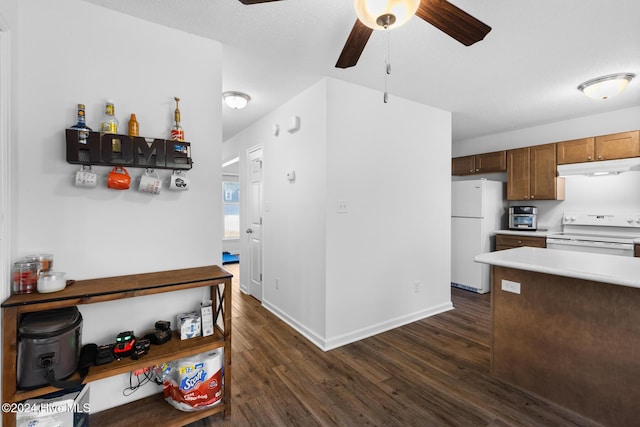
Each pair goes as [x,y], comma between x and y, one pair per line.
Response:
[510,241]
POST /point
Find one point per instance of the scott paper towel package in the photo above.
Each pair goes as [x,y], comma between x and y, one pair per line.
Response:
[194,382]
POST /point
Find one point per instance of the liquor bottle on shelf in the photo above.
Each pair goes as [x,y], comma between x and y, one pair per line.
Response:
[133,125]
[177,133]
[110,123]
[81,126]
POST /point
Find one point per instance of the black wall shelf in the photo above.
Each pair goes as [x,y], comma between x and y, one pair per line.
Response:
[134,151]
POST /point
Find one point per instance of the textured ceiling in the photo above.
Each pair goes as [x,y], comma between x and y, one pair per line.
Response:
[524,73]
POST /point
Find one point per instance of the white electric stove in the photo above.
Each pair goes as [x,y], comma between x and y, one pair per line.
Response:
[597,232]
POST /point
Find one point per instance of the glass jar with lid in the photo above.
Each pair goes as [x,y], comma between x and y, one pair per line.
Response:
[25,276]
[45,261]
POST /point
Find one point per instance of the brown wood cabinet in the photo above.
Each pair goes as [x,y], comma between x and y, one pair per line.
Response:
[479,163]
[587,332]
[606,147]
[510,241]
[531,174]
[636,250]
[153,410]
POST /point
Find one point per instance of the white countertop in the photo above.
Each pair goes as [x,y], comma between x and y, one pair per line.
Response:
[614,269]
[537,233]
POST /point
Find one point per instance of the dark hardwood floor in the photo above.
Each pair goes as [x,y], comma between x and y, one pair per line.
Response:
[434,372]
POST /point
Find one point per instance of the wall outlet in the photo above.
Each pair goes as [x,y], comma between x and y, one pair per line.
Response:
[509,286]
[416,287]
[342,206]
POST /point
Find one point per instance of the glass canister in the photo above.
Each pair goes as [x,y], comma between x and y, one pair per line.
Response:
[25,276]
[45,261]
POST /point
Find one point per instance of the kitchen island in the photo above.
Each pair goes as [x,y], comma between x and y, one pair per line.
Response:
[566,326]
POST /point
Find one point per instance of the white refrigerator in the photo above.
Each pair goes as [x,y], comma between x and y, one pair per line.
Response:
[478,209]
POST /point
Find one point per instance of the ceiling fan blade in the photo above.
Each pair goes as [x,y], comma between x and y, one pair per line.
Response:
[453,21]
[354,46]
[255,1]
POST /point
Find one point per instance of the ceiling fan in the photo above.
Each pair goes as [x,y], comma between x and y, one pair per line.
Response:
[443,15]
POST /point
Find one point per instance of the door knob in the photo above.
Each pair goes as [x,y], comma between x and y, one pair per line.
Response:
[249,230]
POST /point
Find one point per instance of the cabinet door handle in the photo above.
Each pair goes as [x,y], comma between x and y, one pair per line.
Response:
[588,157]
[599,157]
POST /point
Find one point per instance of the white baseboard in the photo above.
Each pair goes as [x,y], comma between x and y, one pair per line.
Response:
[329,344]
[307,333]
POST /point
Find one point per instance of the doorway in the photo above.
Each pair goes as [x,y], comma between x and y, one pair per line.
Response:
[254,221]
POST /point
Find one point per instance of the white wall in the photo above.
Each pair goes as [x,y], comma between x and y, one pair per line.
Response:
[294,214]
[73,52]
[611,193]
[8,132]
[294,229]
[390,162]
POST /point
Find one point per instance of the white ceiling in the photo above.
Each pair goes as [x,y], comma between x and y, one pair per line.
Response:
[524,73]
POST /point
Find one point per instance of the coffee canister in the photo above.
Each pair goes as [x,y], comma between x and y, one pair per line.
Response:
[25,276]
[45,261]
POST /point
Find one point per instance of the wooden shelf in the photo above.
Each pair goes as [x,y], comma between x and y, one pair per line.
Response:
[151,411]
[171,350]
[121,287]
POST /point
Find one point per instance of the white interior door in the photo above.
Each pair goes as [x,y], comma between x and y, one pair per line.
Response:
[254,230]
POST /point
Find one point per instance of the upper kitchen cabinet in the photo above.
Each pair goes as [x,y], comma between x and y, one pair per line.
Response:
[606,147]
[531,174]
[479,163]
[618,145]
[576,151]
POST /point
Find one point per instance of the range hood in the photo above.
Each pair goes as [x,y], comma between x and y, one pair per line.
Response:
[602,167]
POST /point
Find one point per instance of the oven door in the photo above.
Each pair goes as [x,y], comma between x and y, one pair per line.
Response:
[609,248]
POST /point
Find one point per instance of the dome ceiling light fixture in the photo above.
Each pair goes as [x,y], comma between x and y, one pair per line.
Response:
[606,87]
[236,100]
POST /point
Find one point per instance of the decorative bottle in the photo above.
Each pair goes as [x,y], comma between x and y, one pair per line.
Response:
[177,133]
[133,125]
[81,126]
[110,123]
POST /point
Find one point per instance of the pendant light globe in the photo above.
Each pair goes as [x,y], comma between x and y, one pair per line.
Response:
[385,14]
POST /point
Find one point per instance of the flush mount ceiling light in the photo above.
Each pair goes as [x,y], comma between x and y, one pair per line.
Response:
[236,100]
[606,87]
[385,14]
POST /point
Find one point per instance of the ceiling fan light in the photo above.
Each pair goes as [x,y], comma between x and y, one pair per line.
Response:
[236,100]
[606,87]
[369,11]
